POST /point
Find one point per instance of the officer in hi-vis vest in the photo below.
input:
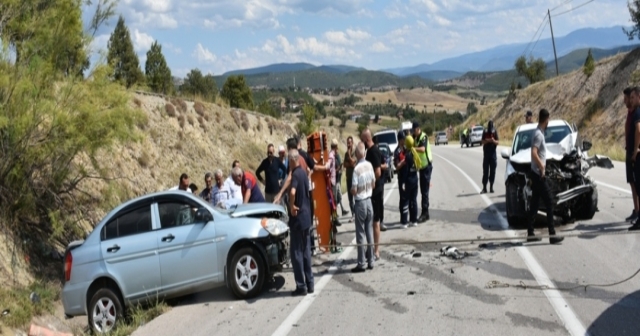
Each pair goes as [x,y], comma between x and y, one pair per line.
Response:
[424,152]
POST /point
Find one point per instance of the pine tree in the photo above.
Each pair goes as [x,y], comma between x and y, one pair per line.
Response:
[157,72]
[196,84]
[237,92]
[589,65]
[122,57]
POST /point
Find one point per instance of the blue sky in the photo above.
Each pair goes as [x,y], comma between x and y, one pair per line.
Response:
[221,35]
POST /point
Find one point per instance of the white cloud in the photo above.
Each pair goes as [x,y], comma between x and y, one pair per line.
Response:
[337,37]
[141,41]
[379,47]
[203,55]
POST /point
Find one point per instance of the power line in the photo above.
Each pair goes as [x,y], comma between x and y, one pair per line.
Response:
[560,5]
[544,20]
[574,8]
[539,37]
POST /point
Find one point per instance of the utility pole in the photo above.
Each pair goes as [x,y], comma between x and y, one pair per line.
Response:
[554,42]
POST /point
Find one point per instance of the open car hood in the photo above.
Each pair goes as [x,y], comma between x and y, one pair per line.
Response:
[256,209]
[555,151]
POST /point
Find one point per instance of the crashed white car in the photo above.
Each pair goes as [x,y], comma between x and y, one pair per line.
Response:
[574,193]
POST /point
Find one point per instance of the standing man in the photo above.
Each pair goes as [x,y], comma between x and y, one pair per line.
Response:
[271,167]
[540,188]
[283,157]
[300,227]
[424,152]
[528,117]
[249,186]
[374,156]
[338,192]
[364,181]
[399,163]
[236,190]
[629,134]
[207,192]
[490,160]
[183,184]
[220,191]
[349,165]
[408,184]
[634,127]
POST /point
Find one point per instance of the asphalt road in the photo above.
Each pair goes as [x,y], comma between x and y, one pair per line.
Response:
[408,294]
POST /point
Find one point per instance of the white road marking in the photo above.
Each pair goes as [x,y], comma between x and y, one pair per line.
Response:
[559,304]
[613,187]
[297,313]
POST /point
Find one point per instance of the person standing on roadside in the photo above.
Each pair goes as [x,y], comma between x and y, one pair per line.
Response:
[540,188]
[221,192]
[338,192]
[349,165]
[207,192]
[249,186]
[300,227]
[374,156]
[183,184]
[629,133]
[399,163]
[364,181]
[528,117]
[634,127]
[490,160]
[236,190]
[271,167]
[408,184]
[423,149]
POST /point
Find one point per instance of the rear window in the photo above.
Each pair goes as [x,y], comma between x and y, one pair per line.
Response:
[131,223]
[389,138]
[442,134]
[479,128]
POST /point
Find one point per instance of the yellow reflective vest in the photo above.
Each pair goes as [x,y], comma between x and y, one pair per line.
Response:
[425,157]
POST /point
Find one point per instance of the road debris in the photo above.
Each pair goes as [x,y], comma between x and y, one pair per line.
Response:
[452,252]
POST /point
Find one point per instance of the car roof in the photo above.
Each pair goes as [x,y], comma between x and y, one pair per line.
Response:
[386,131]
[552,123]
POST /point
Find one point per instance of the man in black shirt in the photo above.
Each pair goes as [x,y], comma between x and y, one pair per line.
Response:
[271,167]
[300,227]
[490,161]
[632,148]
[374,156]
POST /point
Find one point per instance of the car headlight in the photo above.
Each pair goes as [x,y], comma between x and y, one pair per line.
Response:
[275,227]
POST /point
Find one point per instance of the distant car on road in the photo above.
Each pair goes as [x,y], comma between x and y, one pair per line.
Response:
[388,158]
[441,138]
[171,244]
[476,135]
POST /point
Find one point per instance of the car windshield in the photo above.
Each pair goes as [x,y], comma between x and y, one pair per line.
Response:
[479,128]
[553,134]
[389,138]
[442,134]
[384,150]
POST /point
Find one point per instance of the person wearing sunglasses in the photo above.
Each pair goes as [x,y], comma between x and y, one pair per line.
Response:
[271,167]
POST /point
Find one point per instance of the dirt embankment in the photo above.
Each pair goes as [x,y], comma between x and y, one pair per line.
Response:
[594,104]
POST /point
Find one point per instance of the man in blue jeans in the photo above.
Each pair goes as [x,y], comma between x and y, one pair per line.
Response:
[424,152]
[300,227]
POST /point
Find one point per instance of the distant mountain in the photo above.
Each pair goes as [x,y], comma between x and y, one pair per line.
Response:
[503,57]
[275,68]
[437,75]
[330,77]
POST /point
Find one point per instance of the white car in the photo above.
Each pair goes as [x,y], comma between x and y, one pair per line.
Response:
[567,164]
[388,136]
[476,135]
[441,138]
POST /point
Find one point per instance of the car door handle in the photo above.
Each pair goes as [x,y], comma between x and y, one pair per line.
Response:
[168,238]
[114,248]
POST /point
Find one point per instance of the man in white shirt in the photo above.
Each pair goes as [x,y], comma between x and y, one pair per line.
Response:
[183,184]
[234,189]
[363,183]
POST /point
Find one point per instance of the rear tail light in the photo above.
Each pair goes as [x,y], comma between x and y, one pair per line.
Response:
[68,262]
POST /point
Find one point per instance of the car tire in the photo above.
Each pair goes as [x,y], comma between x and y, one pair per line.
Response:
[586,209]
[516,215]
[245,283]
[105,304]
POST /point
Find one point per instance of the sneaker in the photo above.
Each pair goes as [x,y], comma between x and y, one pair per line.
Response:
[299,292]
[383,227]
[484,191]
[370,267]
[414,224]
[310,290]
[555,240]
[404,226]
[532,238]
[423,218]
[491,190]
[357,269]
[634,216]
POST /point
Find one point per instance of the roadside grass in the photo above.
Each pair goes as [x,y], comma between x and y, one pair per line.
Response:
[21,308]
[137,317]
[614,151]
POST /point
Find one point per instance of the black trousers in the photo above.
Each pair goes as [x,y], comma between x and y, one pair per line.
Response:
[540,190]
[425,181]
[489,164]
[301,258]
[636,172]
[409,204]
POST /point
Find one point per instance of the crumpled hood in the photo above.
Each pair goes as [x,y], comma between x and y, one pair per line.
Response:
[555,151]
[244,210]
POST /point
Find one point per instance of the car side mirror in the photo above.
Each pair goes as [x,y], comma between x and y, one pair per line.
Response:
[505,154]
[586,145]
[203,216]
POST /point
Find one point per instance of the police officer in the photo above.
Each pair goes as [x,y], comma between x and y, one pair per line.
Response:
[399,163]
[423,149]
[490,160]
[408,184]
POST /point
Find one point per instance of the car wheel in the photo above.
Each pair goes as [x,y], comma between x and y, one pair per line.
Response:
[247,272]
[105,311]
[515,206]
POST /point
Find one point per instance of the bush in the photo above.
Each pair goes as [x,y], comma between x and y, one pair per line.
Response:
[201,120]
[144,160]
[180,104]
[199,108]
[171,111]
[137,102]
[182,120]
[22,310]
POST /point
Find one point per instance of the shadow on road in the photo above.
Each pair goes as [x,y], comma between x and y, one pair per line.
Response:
[619,319]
